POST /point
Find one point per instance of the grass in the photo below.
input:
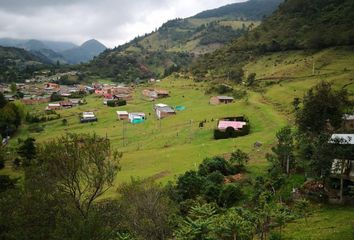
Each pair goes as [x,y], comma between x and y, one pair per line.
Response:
[326,223]
[170,147]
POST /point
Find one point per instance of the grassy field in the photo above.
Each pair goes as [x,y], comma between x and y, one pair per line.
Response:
[166,148]
[326,223]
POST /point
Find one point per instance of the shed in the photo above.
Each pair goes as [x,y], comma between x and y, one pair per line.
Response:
[221,100]
[122,115]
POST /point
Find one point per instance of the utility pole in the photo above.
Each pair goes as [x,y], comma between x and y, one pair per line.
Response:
[313,67]
[123,135]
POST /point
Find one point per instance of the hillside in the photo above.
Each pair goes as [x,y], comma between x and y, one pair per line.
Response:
[192,37]
[296,25]
[17,64]
[251,10]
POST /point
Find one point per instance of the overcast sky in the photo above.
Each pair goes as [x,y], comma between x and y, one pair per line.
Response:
[112,22]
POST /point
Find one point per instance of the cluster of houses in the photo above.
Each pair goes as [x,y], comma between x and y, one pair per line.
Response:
[69,103]
[113,92]
[41,93]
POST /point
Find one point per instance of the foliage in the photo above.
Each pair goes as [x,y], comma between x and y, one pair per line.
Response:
[115,103]
[82,166]
[229,195]
[55,97]
[27,151]
[282,158]
[239,158]
[210,165]
[322,105]
[147,210]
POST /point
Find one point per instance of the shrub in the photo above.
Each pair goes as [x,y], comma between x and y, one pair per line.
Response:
[229,195]
[115,103]
[35,128]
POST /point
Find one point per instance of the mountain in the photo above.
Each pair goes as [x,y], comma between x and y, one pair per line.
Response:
[295,25]
[176,43]
[86,52]
[17,64]
[53,51]
[251,10]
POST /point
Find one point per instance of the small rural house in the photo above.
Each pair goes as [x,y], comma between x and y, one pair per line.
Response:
[137,117]
[88,117]
[155,93]
[163,110]
[221,100]
[122,115]
[53,106]
[343,166]
[66,104]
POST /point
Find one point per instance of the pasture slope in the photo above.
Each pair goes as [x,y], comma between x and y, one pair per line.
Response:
[164,149]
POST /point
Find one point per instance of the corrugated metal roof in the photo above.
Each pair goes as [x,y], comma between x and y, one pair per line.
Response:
[346,138]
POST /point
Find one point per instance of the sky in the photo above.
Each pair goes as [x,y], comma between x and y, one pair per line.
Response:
[112,22]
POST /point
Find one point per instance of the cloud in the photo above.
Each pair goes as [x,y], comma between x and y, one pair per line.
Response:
[112,22]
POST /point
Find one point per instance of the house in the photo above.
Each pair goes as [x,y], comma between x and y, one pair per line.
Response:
[221,100]
[88,117]
[53,106]
[122,115]
[348,122]
[66,104]
[163,110]
[137,117]
[75,101]
[236,125]
[155,93]
[343,166]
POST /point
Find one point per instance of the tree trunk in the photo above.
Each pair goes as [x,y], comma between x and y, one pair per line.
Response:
[235,236]
[287,165]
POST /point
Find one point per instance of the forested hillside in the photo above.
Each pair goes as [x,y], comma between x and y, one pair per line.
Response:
[297,24]
[17,64]
[177,42]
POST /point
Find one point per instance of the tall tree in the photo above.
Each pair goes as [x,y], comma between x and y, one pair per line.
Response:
[322,109]
[83,167]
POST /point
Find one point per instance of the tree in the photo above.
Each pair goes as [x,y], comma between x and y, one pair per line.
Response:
[239,157]
[251,78]
[198,223]
[283,156]
[229,195]
[210,165]
[189,185]
[3,101]
[13,87]
[27,151]
[303,208]
[235,224]
[322,109]
[147,210]
[83,167]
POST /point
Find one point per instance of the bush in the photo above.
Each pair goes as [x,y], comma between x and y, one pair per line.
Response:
[35,128]
[275,236]
[215,164]
[229,195]
[115,103]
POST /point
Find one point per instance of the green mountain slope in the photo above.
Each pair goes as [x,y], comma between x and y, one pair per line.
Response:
[17,64]
[296,25]
[252,10]
[177,42]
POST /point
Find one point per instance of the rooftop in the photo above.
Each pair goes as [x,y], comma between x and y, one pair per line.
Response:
[346,138]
